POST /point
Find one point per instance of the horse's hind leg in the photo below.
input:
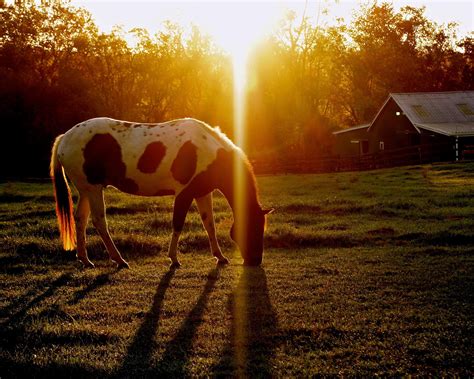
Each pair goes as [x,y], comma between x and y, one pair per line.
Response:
[97,205]
[204,205]
[82,217]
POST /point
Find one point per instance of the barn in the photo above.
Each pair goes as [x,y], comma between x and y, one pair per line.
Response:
[434,126]
[352,141]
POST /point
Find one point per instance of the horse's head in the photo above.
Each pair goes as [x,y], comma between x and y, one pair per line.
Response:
[248,235]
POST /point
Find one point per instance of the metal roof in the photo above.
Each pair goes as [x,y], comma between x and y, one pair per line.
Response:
[351,129]
[449,113]
[461,129]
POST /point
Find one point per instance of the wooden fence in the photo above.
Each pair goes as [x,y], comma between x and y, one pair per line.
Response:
[386,158]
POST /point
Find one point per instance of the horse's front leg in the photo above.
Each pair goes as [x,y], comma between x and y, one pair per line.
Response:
[180,210]
[204,205]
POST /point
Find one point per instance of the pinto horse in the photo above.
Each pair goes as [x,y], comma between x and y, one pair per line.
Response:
[186,158]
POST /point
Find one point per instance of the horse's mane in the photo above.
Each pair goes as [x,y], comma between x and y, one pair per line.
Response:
[219,135]
[239,153]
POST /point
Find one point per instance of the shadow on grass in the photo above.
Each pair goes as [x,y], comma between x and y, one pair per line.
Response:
[24,256]
[14,336]
[254,331]
[27,301]
[19,314]
[14,369]
[99,281]
[140,351]
[28,215]
[16,333]
[176,355]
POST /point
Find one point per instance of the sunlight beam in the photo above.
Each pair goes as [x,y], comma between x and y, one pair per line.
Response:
[239,63]
[240,55]
[242,30]
[241,325]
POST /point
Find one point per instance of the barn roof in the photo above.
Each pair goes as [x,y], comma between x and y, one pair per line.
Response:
[351,129]
[448,113]
[460,129]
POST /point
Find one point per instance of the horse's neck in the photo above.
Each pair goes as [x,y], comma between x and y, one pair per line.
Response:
[239,181]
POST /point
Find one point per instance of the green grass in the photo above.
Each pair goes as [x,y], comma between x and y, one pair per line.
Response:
[364,274]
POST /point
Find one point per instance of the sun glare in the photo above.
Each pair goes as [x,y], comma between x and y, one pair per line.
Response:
[237,27]
[238,37]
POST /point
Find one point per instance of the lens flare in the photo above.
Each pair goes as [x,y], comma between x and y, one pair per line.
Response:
[240,84]
[239,46]
[239,61]
[241,327]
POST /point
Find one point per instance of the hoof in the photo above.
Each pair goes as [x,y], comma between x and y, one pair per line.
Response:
[174,265]
[87,264]
[222,261]
[121,265]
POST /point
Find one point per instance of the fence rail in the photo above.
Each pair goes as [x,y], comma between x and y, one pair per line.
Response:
[419,154]
[389,158]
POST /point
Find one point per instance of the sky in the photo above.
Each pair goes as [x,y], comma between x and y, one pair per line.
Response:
[234,24]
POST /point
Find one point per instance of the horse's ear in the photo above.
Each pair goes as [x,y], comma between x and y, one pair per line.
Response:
[268,211]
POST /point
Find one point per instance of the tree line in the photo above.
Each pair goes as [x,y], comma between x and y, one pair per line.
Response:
[305,80]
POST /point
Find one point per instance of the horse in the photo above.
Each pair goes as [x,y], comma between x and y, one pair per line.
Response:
[185,157]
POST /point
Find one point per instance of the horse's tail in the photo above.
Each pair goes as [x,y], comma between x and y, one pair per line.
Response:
[62,195]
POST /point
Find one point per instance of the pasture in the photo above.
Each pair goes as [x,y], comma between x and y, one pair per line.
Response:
[363,274]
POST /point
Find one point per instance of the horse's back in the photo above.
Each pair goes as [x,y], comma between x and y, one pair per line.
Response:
[143,159]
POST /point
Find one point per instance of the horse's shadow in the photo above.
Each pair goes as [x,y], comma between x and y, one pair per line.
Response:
[14,328]
[250,349]
[99,281]
[248,352]
[18,309]
[140,351]
[173,362]
[176,356]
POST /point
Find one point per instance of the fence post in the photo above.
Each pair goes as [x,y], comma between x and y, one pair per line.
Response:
[457,148]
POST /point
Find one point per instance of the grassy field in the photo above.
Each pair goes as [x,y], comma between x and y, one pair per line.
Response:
[364,274]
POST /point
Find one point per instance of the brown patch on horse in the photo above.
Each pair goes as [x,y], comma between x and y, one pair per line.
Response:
[219,175]
[202,184]
[151,157]
[213,177]
[184,165]
[103,163]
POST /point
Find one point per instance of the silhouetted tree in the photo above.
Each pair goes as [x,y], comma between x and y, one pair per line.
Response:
[306,79]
